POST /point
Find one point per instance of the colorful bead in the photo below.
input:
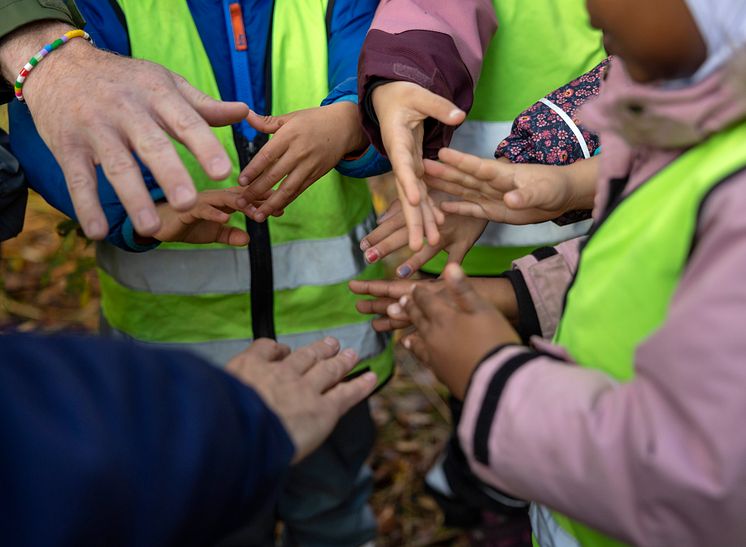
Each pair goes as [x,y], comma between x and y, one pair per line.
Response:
[43,52]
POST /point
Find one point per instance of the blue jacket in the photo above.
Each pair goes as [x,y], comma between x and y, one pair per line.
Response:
[347,28]
[107,443]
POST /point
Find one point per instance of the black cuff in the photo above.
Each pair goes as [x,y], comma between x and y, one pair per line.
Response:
[367,102]
[491,400]
[528,321]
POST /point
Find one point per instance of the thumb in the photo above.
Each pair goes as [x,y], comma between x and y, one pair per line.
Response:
[265,124]
[434,106]
[460,289]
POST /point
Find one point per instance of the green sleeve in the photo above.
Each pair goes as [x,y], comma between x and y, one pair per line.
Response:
[16,13]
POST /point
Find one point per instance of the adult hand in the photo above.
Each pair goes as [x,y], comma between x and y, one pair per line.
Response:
[96,108]
[304,388]
[386,296]
[401,109]
[455,329]
[206,221]
[457,235]
[307,144]
[510,193]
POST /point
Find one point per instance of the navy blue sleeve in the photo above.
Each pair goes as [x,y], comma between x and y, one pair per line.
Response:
[106,443]
[348,25]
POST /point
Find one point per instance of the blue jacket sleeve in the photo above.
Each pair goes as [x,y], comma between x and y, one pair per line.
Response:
[107,443]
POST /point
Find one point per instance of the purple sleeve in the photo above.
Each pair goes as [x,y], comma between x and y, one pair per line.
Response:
[437,44]
[660,460]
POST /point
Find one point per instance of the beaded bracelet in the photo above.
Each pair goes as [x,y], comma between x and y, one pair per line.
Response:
[43,52]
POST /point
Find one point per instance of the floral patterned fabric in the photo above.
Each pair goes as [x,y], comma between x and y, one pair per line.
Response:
[540,135]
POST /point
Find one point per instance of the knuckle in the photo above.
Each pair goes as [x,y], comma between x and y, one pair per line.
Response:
[119,164]
[187,121]
[77,182]
[152,143]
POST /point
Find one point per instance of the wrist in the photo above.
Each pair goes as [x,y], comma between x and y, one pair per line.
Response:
[500,293]
[355,139]
[22,44]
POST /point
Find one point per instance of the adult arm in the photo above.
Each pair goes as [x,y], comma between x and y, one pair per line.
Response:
[660,460]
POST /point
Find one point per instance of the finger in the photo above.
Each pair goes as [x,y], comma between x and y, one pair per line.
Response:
[475,166]
[432,234]
[416,344]
[429,303]
[413,217]
[455,175]
[393,243]
[383,289]
[406,164]
[451,188]
[416,261]
[267,350]
[211,214]
[408,306]
[156,151]
[377,306]
[126,178]
[82,184]
[434,106]
[232,236]
[185,124]
[215,113]
[304,358]
[347,394]
[466,209]
[266,169]
[266,124]
[328,373]
[383,230]
[386,324]
[460,289]
[296,182]
[393,209]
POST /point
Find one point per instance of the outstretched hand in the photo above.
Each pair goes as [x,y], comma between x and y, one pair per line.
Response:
[401,109]
[131,110]
[307,144]
[510,193]
[457,236]
[206,221]
[304,388]
[456,328]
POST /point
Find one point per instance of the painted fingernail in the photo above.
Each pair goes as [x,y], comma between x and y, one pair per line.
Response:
[331,342]
[364,245]
[147,220]
[219,165]
[404,271]
[183,195]
[394,309]
[371,256]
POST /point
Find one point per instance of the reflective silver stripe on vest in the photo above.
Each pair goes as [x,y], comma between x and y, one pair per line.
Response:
[480,138]
[226,271]
[359,336]
[571,124]
[546,529]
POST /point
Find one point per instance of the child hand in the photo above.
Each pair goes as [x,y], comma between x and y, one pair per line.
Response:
[457,235]
[511,193]
[456,328]
[496,291]
[205,222]
[306,145]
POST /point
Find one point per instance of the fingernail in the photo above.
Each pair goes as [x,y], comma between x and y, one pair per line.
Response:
[370,378]
[403,301]
[147,220]
[183,195]
[243,181]
[260,217]
[407,343]
[456,113]
[394,309]
[371,256]
[380,219]
[219,165]
[241,202]
[350,354]
[404,271]
[364,245]
[331,342]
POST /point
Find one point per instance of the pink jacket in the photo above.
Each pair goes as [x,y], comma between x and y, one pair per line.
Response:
[661,460]
[438,44]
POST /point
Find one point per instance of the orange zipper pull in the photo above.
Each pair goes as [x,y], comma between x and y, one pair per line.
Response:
[239,31]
